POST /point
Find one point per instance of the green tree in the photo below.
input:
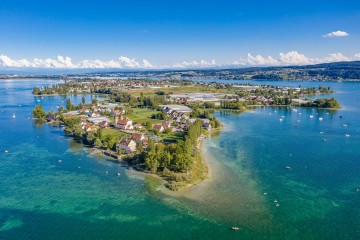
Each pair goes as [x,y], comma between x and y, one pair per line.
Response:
[69,105]
[38,112]
[99,133]
[94,101]
[98,142]
[83,101]
[151,161]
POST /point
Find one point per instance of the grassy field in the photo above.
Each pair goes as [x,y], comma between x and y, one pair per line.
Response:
[140,115]
[179,89]
[173,136]
[111,131]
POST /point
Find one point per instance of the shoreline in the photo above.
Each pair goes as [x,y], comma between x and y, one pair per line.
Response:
[191,186]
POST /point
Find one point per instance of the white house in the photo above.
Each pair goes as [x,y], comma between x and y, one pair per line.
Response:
[129,146]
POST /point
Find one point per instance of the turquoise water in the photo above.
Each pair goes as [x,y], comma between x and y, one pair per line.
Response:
[42,199]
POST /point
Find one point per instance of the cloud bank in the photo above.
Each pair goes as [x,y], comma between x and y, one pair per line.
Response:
[291,58]
[66,63]
[336,34]
[61,62]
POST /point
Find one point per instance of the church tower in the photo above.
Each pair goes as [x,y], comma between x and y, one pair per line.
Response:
[116,120]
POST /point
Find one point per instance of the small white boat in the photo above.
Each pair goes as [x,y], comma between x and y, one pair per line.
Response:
[265,193]
[347,135]
[14,116]
[6,151]
[311,116]
[324,140]
[344,125]
[320,119]
[106,172]
[298,121]
[277,205]
[118,174]
[281,119]
[288,167]
[299,113]
[59,161]
[235,228]
[38,100]
[321,132]
[275,201]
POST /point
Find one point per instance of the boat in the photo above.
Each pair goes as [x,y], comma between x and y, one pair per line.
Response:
[311,116]
[324,140]
[321,132]
[277,205]
[347,135]
[235,228]
[344,125]
[59,161]
[118,174]
[288,167]
[6,151]
[14,116]
[320,119]
[281,119]
[275,201]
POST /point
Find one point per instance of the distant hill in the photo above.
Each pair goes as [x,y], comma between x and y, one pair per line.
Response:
[337,71]
[322,72]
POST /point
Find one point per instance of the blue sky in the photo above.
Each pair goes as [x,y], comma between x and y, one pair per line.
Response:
[177,34]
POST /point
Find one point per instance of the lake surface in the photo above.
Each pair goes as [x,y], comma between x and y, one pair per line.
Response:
[317,196]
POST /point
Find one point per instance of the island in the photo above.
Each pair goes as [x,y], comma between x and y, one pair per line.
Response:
[157,126]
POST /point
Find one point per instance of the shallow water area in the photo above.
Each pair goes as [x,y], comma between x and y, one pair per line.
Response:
[75,199]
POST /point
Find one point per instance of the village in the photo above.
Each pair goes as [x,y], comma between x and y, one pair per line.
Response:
[157,126]
[113,120]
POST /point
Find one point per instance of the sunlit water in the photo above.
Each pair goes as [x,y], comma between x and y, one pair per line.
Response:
[318,199]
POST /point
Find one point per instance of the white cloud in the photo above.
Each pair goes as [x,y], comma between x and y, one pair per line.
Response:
[59,62]
[66,62]
[99,64]
[201,64]
[336,34]
[291,58]
[257,60]
[147,64]
[294,58]
[283,59]
[335,57]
